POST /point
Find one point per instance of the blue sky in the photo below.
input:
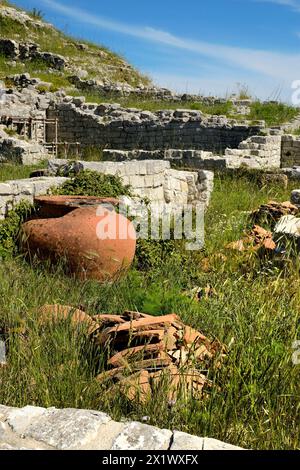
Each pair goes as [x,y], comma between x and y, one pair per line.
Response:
[195,46]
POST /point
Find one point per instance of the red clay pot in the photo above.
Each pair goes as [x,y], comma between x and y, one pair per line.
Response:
[97,243]
[57,206]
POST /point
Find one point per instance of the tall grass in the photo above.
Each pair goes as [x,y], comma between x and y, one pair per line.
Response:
[255,400]
[273,113]
[14,172]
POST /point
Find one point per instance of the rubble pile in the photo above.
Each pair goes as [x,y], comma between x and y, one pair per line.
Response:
[257,239]
[146,352]
[273,211]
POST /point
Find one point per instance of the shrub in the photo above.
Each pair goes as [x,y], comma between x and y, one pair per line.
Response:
[273,113]
[91,183]
[10,228]
[37,14]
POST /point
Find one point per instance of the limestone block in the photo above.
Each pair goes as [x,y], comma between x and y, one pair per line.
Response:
[137,436]
[4,411]
[5,189]
[20,418]
[5,204]
[137,181]
[68,428]
[183,441]
[288,225]
[214,444]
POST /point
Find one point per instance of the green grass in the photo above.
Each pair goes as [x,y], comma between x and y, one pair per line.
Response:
[274,114]
[294,131]
[13,172]
[154,105]
[57,42]
[255,402]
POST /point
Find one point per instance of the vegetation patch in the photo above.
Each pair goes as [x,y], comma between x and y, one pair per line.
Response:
[91,183]
[273,113]
[254,311]
[10,228]
[15,172]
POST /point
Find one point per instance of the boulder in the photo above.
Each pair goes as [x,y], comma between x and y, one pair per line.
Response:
[288,226]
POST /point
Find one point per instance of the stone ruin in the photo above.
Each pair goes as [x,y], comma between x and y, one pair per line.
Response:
[151,151]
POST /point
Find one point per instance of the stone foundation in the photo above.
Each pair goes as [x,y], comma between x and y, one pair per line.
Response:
[154,180]
[110,126]
[36,428]
[14,191]
[14,150]
[290,151]
[197,159]
[257,152]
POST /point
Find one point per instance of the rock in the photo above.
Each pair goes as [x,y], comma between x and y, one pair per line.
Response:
[2,352]
[295,197]
[183,441]
[72,429]
[213,444]
[288,226]
[28,51]
[4,412]
[137,436]
[68,428]
[20,419]
[277,179]
[14,150]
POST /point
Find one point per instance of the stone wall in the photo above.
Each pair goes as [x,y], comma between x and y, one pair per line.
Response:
[36,428]
[154,180]
[198,159]
[110,126]
[290,151]
[13,150]
[257,152]
[142,92]
[14,191]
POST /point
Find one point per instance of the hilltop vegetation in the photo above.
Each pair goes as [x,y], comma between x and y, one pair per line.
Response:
[98,61]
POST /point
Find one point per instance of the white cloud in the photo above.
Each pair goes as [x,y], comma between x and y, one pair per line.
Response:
[220,85]
[281,67]
[294,4]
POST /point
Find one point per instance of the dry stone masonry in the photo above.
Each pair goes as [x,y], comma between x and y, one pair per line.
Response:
[184,137]
[290,151]
[36,428]
[198,159]
[112,126]
[14,191]
[154,180]
[165,188]
[260,152]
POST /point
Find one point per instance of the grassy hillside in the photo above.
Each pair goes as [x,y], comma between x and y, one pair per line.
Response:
[99,62]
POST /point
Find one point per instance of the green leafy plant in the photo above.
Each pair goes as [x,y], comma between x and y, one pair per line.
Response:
[37,14]
[10,228]
[91,183]
[10,132]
